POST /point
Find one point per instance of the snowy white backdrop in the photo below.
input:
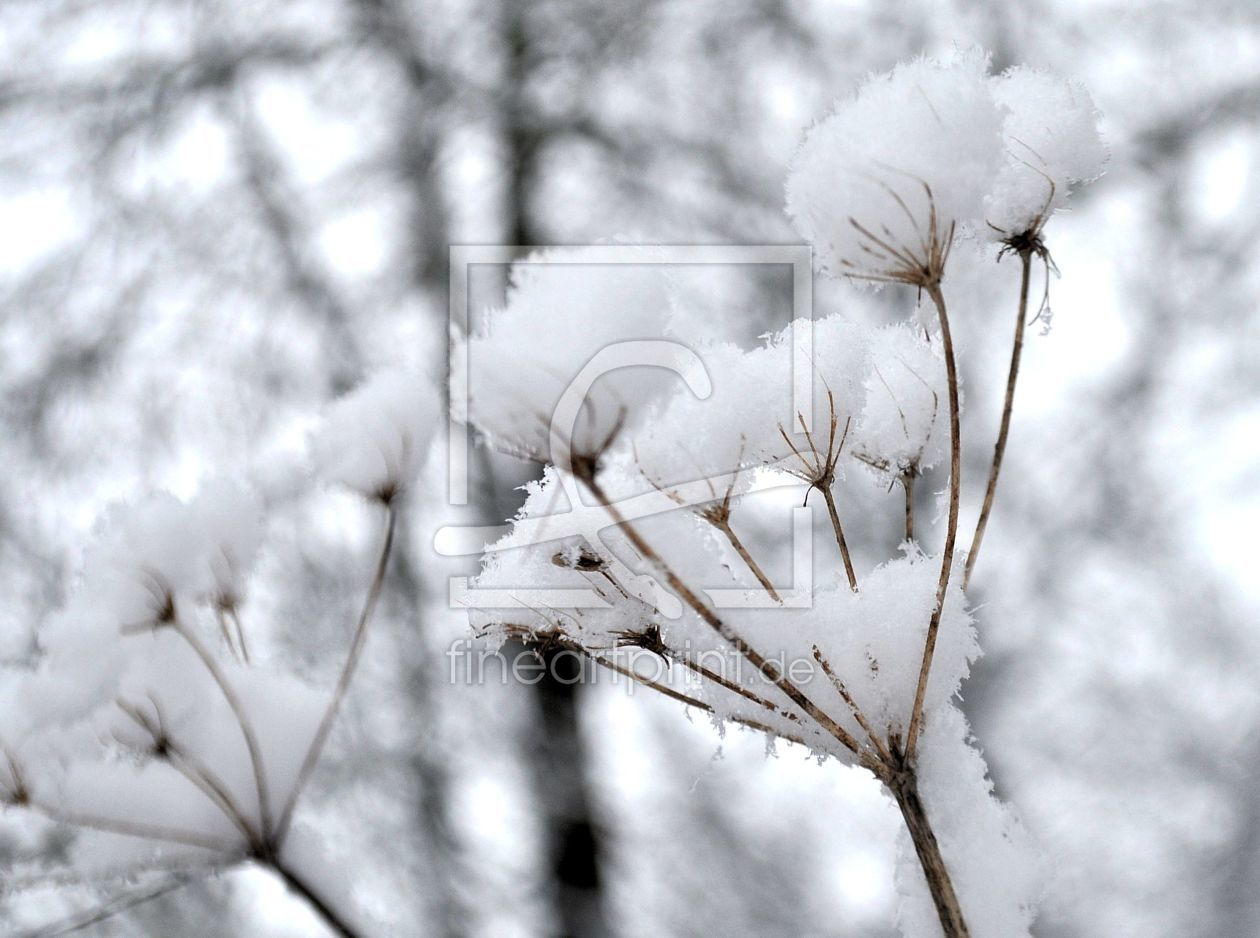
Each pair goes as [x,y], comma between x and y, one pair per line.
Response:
[218,216]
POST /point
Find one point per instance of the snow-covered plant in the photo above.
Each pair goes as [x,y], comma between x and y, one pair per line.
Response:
[626,548]
[149,725]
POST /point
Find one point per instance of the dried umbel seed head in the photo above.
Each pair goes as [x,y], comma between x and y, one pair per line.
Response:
[648,638]
[583,559]
[882,185]
[375,439]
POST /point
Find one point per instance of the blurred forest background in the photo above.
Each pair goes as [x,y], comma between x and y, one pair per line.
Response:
[216,215]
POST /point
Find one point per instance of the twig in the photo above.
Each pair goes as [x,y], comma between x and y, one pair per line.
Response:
[951,529]
[111,907]
[848,699]
[720,680]
[821,475]
[226,633]
[738,545]
[1025,257]
[242,719]
[129,828]
[343,682]
[190,767]
[240,633]
[907,483]
[332,918]
[840,541]
[668,691]
[766,667]
[719,516]
[903,784]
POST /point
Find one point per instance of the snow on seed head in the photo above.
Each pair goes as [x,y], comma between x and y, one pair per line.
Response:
[1051,141]
[375,439]
[881,186]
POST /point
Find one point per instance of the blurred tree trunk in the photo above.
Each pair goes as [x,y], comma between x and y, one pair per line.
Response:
[572,836]
[421,113]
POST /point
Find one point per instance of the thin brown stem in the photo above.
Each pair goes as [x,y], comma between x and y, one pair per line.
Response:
[690,701]
[830,499]
[738,545]
[710,675]
[951,528]
[710,618]
[235,615]
[343,682]
[242,718]
[848,699]
[227,634]
[907,483]
[999,449]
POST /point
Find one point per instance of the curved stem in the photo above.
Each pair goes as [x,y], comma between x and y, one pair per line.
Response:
[1000,448]
[205,781]
[951,528]
[240,634]
[242,718]
[343,682]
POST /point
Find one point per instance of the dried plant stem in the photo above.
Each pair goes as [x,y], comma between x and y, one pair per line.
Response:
[190,767]
[690,701]
[227,634]
[951,528]
[830,499]
[904,787]
[766,667]
[343,682]
[738,545]
[115,905]
[722,681]
[240,633]
[242,718]
[820,473]
[297,884]
[212,787]
[999,449]
[858,715]
[129,828]
[907,483]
